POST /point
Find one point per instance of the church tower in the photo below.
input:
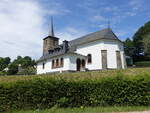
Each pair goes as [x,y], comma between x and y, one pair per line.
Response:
[50,41]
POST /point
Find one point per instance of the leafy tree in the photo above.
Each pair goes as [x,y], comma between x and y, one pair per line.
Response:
[146,44]
[25,63]
[139,36]
[4,63]
[13,68]
[128,43]
[129,47]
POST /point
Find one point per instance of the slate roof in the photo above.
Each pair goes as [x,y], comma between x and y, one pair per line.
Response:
[57,54]
[51,37]
[103,34]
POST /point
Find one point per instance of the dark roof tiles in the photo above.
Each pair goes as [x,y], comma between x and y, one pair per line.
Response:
[103,34]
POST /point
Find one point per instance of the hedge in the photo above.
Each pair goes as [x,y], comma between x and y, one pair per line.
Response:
[143,64]
[45,93]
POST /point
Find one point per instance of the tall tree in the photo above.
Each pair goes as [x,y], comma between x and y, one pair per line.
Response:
[146,44]
[129,47]
[4,63]
[139,36]
[25,62]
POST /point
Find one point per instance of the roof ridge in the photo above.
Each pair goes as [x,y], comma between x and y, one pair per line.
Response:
[90,34]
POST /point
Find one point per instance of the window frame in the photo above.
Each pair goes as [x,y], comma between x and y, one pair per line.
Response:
[89,59]
[61,62]
[53,63]
[57,62]
[43,65]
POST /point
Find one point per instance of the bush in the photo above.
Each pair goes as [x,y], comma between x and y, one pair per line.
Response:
[143,64]
[27,71]
[48,92]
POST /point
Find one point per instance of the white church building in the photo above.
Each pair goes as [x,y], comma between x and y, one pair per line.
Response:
[100,50]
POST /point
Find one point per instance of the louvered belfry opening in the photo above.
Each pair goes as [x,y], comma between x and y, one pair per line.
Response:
[104,59]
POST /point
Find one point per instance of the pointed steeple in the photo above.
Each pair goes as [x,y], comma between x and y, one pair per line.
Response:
[51,30]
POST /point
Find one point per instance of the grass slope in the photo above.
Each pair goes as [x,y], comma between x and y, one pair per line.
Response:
[133,73]
[98,75]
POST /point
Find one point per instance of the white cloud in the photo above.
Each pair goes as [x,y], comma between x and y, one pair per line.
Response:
[21,28]
[131,13]
[121,33]
[70,33]
[102,26]
[99,18]
[111,9]
[55,9]
[136,4]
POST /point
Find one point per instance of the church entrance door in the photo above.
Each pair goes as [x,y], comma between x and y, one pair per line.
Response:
[78,63]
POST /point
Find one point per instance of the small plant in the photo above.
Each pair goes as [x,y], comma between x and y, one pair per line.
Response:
[143,64]
[53,109]
[62,102]
[82,107]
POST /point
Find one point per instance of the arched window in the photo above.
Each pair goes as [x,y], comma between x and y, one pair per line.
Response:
[83,63]
[45,42]
[89,58]
[53,63]
[61,62]
[78,63]
[57,62]
[43,65]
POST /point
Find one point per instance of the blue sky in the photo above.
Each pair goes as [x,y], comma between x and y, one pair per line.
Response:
[126,16]
[24,23]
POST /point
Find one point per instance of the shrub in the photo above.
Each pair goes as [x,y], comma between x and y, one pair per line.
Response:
[49,92]
[143,64]
[27,71]
[2,73]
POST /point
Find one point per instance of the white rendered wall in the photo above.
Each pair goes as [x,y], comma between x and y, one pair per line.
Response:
[69,64]
[73,59]
[48,66]
[94,48]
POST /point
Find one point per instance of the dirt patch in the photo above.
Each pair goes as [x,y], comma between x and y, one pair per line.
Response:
[134,112]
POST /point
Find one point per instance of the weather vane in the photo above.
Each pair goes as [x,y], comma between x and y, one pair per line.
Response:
[108,23]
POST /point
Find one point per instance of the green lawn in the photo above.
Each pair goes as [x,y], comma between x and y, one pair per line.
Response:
[85,110]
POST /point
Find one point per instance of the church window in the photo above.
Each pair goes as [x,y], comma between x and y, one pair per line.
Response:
[43,65]
[61,62]
[45,42]
[89,58]
[57,62]
[83,63]
[53,63]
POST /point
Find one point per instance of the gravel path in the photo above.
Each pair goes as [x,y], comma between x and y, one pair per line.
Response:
[135,112]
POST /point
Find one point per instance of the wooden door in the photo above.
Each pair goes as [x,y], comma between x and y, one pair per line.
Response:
[78,63]
[118,59]
[104,59]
